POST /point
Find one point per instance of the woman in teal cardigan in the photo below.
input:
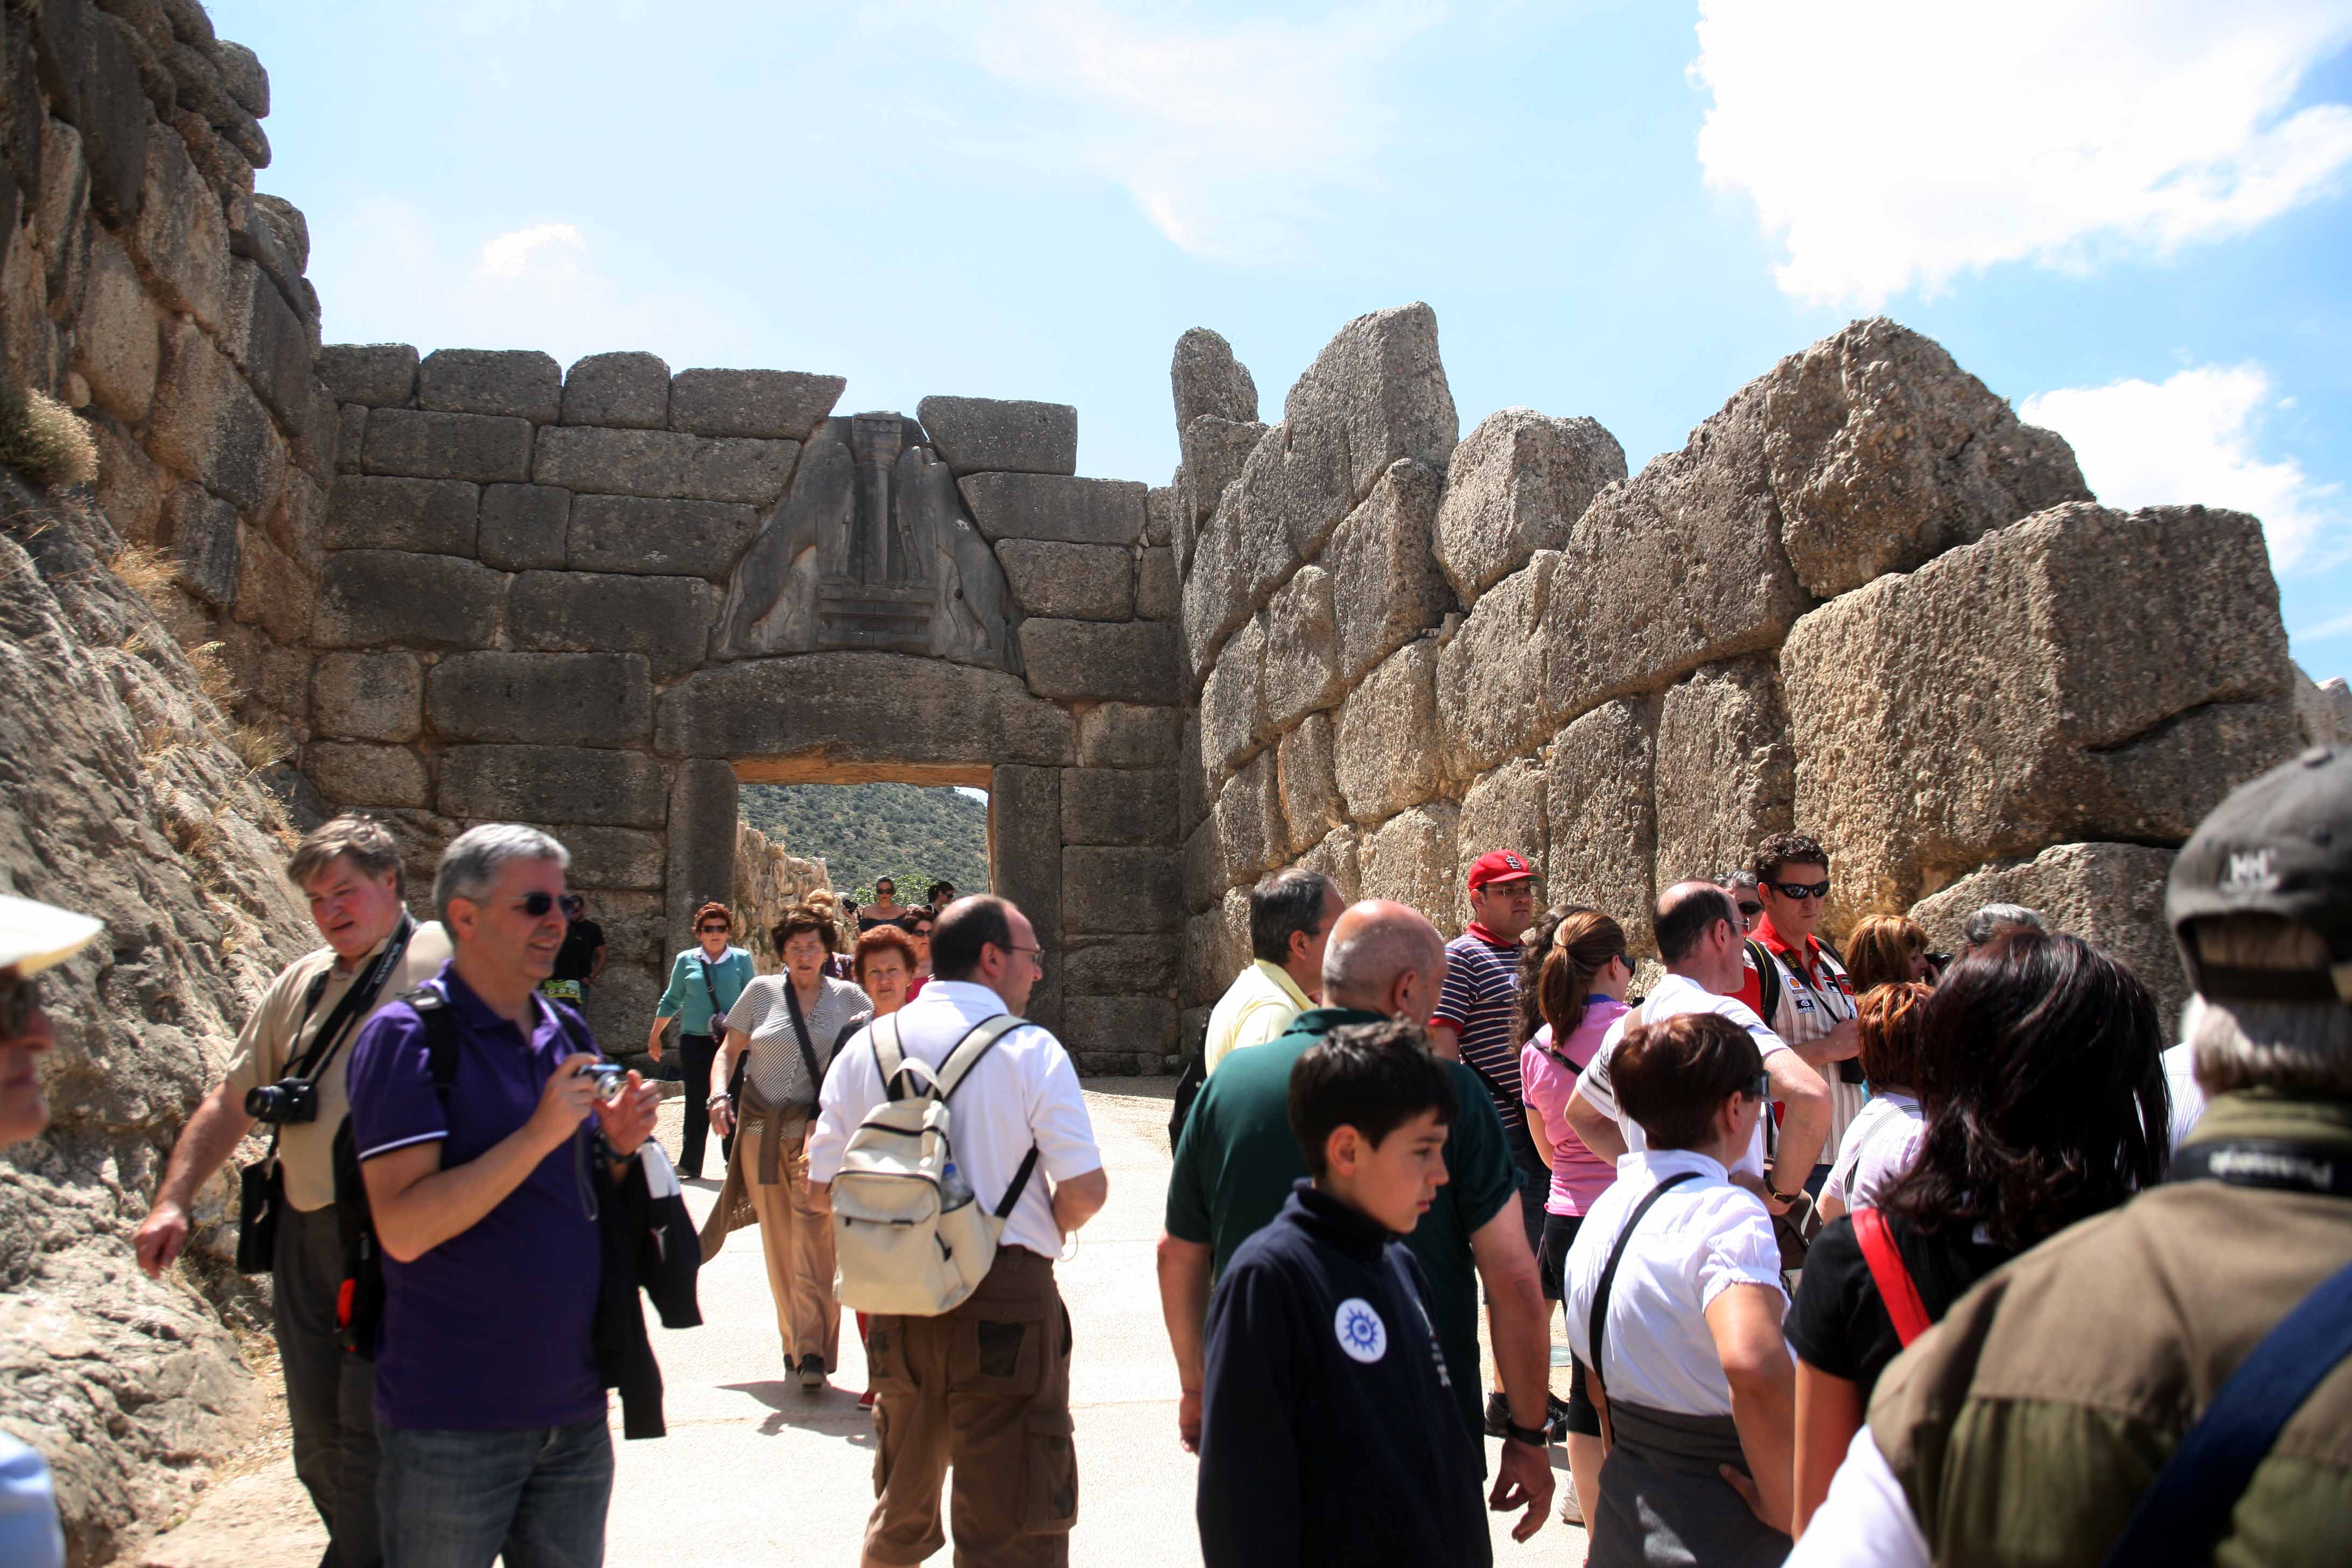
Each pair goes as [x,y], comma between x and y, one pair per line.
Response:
[703,982]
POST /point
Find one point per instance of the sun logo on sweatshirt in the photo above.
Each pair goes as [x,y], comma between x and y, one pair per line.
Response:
[1361,1333]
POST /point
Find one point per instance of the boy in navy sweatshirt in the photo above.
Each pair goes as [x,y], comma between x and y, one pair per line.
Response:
[1328,1431]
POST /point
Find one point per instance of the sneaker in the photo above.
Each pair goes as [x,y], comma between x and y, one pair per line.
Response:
[1498,1415]
[1570,1512]
[811,1373]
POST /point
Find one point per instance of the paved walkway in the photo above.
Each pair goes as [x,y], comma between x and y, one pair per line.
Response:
[756,1472]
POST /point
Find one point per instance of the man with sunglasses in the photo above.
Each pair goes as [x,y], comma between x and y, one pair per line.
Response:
[579,960]
[1815,1007]
[350,870]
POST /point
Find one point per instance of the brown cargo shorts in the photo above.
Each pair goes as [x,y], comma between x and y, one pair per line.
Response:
[984,1389]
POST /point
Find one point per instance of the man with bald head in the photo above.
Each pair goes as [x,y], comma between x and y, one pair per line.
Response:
[1238,1161]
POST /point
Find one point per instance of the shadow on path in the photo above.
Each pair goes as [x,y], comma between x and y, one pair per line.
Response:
[833,1413]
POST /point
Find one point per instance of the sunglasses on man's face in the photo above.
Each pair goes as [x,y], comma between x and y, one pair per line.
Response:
[1799,890]
[539,901]
[20,998]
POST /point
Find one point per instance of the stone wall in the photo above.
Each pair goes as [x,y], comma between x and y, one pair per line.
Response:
[1863,600]
[768,879]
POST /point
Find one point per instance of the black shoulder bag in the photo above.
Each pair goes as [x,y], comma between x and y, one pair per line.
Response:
[359,1304]
[1597,1322]
[801,1038]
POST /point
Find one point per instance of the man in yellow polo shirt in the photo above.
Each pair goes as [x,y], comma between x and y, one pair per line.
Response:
[1291,913]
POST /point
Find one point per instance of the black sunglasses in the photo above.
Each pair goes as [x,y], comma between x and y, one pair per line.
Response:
[20,998]
[538,900]
[1799,890]
[712,930]
[1751,910]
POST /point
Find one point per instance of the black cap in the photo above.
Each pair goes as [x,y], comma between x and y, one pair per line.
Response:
[2281,846]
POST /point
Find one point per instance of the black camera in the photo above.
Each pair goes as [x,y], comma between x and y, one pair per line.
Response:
[287,1099]
[609,1077]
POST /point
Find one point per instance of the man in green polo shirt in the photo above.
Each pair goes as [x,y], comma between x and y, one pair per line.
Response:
[1238,1161]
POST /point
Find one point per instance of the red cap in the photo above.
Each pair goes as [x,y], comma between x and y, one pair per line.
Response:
[1499,866]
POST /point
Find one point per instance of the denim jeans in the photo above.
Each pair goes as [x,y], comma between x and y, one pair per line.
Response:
[457,1500]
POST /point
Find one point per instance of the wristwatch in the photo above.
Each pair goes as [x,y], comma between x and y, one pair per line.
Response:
[1534,1436]
[715,1101]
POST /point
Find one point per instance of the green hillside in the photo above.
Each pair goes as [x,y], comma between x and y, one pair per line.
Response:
[918,835]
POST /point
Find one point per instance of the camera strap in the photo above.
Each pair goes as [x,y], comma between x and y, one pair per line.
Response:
[355,1003]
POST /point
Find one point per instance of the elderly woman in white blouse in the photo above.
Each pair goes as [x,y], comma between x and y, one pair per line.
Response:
[1674,1305]
[785,1029]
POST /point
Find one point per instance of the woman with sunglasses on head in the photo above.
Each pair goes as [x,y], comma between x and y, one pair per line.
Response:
[1573,972]
[704,982]
[1674,1301]
[2039,1073]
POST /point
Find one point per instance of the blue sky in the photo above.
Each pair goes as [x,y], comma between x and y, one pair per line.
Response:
[2135,220]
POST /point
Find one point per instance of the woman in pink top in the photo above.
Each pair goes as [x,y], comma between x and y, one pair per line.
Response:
[1573,975]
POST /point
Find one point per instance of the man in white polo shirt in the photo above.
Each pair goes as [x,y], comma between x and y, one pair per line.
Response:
[1291,914]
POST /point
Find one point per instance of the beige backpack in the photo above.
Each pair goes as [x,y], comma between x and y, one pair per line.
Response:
[910,1237]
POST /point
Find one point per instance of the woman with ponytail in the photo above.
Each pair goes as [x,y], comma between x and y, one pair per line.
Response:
[1573,970]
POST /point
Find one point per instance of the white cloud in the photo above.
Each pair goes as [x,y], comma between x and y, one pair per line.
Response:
[1897,146]
[510,254]
[1224,134]
[2191,439]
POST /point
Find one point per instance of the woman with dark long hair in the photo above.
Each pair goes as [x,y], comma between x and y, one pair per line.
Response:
[2045,1104]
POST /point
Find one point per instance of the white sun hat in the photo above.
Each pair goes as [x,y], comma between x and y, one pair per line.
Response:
[35,935]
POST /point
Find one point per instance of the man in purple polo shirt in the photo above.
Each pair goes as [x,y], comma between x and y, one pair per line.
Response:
[486,1393]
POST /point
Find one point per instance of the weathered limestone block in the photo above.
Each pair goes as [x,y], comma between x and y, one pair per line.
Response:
[1294,489]
[1604,835]
[1233,703]
[523,527]
[368,775]
[60,210]
[976,435]
[118,338]
[132,489]
[298,524]
[1508,808]
[1055,506]
[1726,776]
[434,445]
[1302,652]
[351,437]
[1339,857]
[1119,891]
[1516,486]
[207,423]
[2022,719]
[1157,594]
[545,699]
[1026,864]
[1493,683]
[554,784]
[1121,966]
[1206,378]
[1386,757]
[369,511]
[1884,453]
[624,858]
[368,696]
[1205,865]
[1251,835]
[521,383]
[1122,735]
[2324,711]
[1119,805]
[275,349]
[245,78]
[203,533]
[2110,895]
[1070,582]
[1411,859]
[379,376]
[1386,587]
[1311,805]
[661,463]
[627,390]
[1125,1034]
[658,538]
[1215,598]
[1191,774]
[179,237]
[88,64]
[776,404]
[1159,515]
[373,598]
[1380,378]
[1214,450]
[880,708]
[272,590]
[668,619]
[704,807]
[1078,661]
[1205,976]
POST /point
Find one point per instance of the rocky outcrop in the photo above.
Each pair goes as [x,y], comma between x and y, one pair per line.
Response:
[768,880]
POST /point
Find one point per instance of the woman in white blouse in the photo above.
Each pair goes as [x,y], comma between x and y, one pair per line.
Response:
[1885,1138]
[1694,1378]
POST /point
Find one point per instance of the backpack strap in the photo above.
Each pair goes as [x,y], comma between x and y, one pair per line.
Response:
[889,1055]
[1896,1290]
[1767,980]
[975,1044]
[440,1039]
[2184,1510]
[1597,1322]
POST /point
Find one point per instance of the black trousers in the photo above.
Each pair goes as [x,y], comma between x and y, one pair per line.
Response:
[329,1395]
[696,1055]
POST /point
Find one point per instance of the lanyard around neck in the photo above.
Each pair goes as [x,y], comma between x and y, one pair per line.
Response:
[2278,1164]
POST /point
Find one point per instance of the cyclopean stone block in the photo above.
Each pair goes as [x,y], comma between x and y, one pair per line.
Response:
[658,538]
[1205,378]
[1311,803]
[373,598]
[1116,891]
[842,708]
[628,859]
[546,699]
[625,390]
[378,375]
[704,807]
[668,619]
[1339,856]
[1157,594]
[1251,836]
[1302,664]
[367,776]
[272,590]
[207,423]
[1493,685]
[1025,865]
[665,463]
[1726,776]
[1119,805]
[1074,662]
[1205,865]
[435,446]
[1411,859]
[351,437]
[1121,966]
[181,238]
[1506,809]
[1380,772]
[1517,484]
[774,405]
[205,542]
[1159,515]
[368,696]
[2021,719]
[1604,831]
[1214,451]
[523,527]
[437,517]
[1075,582]
[984,435]
[521,383]
[1055,506]
[1141,1029]
[554,784]
[1233,703]
[1381,380]
[1122,735]
[1386,587]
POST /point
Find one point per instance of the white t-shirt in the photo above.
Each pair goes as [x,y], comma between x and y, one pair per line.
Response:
[1880,1147]
[2187,1099]
[1025,1092]
[1865,1522]
[1701,1239]
[1672,996]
